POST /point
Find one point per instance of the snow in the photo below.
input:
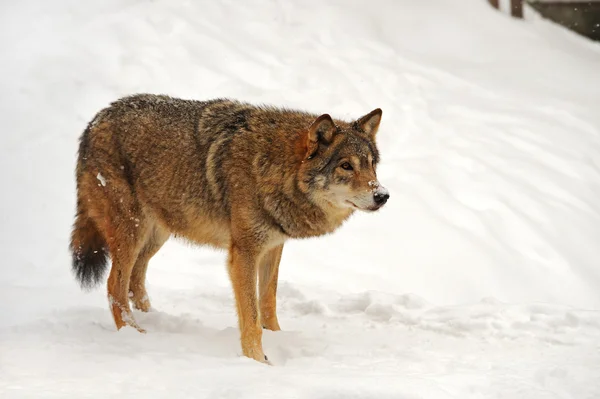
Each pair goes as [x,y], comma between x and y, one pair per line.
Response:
[478,279]
[101,179]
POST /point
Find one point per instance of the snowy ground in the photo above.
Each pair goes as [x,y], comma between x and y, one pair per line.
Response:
[479,279]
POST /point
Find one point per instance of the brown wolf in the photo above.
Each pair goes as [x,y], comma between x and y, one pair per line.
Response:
[224,173]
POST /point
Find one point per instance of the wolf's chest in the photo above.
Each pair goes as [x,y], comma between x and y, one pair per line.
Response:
[306,224]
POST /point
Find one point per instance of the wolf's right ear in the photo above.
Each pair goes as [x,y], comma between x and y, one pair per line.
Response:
[370,122]
[320,131]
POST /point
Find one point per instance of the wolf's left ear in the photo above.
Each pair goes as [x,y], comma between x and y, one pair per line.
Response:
[370,122]
[322,131]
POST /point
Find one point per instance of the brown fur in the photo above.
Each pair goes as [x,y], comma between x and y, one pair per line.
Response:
[222,173]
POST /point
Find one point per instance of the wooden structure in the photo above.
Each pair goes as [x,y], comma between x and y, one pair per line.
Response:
[581,16]
[516,7]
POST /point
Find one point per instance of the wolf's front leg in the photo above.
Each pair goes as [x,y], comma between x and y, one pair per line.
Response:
[267,283]
[242,271]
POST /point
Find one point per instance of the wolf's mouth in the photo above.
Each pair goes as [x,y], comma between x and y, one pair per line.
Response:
[371,209]
[353,204]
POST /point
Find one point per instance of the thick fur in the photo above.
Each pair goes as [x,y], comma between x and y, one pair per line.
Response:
[223,173]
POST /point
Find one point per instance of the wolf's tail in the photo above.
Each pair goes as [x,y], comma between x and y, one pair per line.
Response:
[88,249]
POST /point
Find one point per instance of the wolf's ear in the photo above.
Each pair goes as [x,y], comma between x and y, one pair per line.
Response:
[320,131]
[370,122]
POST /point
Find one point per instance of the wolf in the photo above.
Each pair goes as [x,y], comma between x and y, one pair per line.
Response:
[224,173]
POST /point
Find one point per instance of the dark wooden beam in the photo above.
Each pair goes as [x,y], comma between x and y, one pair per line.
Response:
[494,3]
[516,8]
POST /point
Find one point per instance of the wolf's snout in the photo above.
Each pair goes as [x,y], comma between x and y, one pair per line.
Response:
[380,195]
[381,198]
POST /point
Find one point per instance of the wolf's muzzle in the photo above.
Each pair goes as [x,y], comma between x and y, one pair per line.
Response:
[381,198]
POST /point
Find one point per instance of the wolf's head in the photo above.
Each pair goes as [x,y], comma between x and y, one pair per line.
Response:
[340,161]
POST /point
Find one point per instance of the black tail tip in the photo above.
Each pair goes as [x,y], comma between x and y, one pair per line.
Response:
[89,266]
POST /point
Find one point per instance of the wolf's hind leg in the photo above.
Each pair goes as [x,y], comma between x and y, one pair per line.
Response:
[124,249]
[267,274]
[125,229]
[137,283]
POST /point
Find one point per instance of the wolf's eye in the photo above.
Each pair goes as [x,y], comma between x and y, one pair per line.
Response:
[346,166]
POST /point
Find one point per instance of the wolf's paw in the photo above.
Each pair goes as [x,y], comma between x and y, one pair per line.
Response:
[137,327]
[128,320]
[122,315]
[272,327]
[143,306]
[257,355]
[270,323]
[140,301]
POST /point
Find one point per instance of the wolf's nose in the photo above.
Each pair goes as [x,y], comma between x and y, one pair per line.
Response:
[381,198]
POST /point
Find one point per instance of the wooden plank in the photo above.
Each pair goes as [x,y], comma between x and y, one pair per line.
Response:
[494,3]
[516,8]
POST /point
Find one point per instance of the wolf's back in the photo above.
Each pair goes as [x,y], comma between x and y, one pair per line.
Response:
[142,140]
